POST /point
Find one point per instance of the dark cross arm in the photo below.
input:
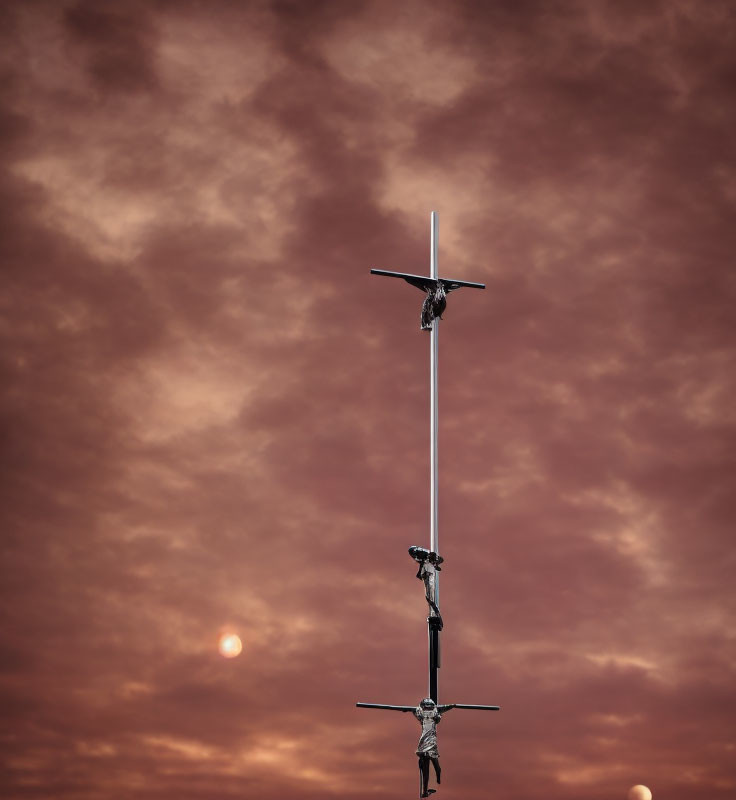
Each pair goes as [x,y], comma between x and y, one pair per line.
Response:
[425,284]
[442,709]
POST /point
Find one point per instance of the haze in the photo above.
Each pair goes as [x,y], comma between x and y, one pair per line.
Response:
[217,421]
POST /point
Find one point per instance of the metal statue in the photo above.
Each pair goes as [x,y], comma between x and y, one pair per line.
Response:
[433,306]
[437,289]
[429,565]
[429,715]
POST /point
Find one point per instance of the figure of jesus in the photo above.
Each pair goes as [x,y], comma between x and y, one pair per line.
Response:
[429,715]
[434,305]
[429,564]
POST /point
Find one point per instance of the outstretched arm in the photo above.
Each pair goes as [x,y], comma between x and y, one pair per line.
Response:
[389,708]
[445,709]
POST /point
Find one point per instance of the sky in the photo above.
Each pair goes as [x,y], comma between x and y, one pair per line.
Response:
[215,420]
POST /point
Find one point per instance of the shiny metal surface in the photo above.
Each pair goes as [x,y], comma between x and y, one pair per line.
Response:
[433,635]
[433,409]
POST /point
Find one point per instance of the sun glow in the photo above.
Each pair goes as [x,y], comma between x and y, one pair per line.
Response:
[230,645]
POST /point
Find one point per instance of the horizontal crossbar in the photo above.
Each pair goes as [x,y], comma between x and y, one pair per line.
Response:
[420,280]
[411,708]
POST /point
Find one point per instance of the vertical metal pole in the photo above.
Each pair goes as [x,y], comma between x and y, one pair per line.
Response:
[433,633]
[434,337]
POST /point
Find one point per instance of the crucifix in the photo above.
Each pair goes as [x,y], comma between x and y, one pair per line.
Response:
[429,711]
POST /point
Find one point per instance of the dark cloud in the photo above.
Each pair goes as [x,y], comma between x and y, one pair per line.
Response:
[118,44]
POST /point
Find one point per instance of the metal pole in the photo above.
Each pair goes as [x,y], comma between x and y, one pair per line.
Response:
[433,633]
[434,337]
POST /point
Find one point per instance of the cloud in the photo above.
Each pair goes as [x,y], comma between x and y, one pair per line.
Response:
[214,418]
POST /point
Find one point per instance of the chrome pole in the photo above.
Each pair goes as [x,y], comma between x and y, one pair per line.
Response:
[434,340]
[433,634]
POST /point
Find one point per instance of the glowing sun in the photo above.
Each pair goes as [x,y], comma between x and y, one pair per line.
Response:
[640,792]
[230,645]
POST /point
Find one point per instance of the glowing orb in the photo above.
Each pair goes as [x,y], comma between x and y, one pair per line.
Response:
[230,645]
[639,792]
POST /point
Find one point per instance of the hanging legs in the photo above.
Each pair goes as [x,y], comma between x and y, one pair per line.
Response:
[424,790]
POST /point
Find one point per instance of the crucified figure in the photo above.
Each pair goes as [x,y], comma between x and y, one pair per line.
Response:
[429,564]
[434,305]
[429,715]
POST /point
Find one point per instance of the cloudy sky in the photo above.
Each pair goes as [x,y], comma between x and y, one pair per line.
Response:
[215,419]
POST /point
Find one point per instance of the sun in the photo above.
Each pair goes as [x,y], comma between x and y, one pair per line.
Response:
[230,645]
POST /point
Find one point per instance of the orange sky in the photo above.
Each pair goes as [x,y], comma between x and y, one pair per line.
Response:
[215,420]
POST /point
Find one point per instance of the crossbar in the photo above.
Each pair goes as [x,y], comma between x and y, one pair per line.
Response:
[414,279]
[411,708]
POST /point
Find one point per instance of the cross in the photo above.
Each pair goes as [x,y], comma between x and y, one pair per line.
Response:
[428,712]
